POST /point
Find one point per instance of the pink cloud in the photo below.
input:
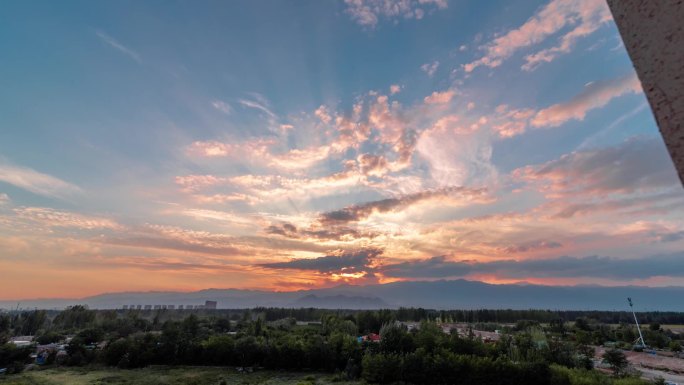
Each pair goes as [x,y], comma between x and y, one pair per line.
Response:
[55,218]
[323,114]
[440,97]
[585,15]
[594,95]
[213,148]
[613,170]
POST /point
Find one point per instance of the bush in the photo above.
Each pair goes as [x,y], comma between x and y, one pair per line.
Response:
[675,346]
[12,356]
[381,368]
[49,338]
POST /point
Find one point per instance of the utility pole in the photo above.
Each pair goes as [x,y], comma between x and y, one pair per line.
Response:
[641,337]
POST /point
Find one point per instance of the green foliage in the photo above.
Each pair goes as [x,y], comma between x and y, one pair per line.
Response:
[49,338]
[394,338]
[29,322]
[13,357]
[561,375]
[543,347]
[616,359]
[75,318]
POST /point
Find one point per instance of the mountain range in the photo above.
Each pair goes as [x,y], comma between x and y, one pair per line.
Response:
[443,294]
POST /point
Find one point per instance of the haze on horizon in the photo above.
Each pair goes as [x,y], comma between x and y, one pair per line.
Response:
[306,144]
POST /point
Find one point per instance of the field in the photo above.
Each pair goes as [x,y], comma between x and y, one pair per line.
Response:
[164,376]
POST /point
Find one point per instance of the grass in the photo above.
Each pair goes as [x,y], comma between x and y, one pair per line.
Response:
[164,376]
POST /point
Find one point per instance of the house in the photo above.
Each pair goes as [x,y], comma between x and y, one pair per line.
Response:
[44,351]
[21,340]
[371,337]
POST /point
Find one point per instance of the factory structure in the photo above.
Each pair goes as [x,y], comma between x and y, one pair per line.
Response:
[208,305]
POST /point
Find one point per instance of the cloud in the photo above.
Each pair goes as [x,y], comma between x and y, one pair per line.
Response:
[4,199]
[337,262]
[458,153]
[260,151]
[391,121]
[395,89]
[260,103]
[222,106]
[593,15]
[328,233]
[194,183]
[253,188]
[56,218]
[323,114]
[643,204]
[531,246]
[368,12]
[358,212]
[222,216]
[440,97]
[373,165]
[670,265]
[672,237]
[430,68]
[639,164]
[125,50]
[211,148]
[584,15]
[178,239]
[37,182]
[508,122]
[595,95]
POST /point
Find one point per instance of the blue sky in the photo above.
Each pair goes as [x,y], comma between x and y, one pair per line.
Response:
[177,144]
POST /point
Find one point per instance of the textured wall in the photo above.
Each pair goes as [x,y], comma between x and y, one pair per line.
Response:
[653,32]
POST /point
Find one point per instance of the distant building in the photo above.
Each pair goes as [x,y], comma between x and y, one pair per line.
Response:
[171,307]
[21,340]
[157,307]
[372,337]
[125,307]
[210,304]
[180,307]
[189,307]
[138,307]
[148,307]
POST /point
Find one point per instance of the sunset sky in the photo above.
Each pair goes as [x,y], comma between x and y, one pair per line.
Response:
[297,144]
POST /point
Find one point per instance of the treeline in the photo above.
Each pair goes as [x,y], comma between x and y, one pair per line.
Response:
[28,322]
[529,353]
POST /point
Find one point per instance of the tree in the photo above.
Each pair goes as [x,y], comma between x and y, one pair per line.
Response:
[582,323]
[675,346]
[616,359]
[48,338]
[395,339]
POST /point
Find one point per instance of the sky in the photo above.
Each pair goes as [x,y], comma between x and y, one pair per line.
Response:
[286,145]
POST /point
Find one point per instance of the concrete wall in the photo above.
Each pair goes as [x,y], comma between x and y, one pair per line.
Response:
[653,33]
